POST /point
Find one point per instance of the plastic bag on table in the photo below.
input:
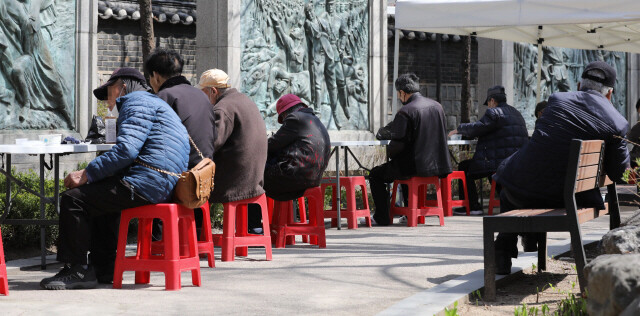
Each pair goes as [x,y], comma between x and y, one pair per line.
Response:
[97,133]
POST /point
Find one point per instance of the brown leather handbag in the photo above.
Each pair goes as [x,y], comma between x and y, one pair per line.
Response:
[194,186]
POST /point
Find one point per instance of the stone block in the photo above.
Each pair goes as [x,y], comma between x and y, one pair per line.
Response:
[612,283]
[621,240]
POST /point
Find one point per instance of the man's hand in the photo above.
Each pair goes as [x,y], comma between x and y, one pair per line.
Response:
[76,179]
[453,132]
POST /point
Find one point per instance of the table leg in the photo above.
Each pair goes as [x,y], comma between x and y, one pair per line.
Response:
[43,254]
[56,184]
[346,161]
[338,189]
[8,197]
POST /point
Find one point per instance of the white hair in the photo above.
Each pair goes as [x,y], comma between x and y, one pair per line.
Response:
[588,84]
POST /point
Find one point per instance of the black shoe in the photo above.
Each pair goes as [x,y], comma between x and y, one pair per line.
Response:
[530,242]
[256,231]
[378,222]
[503,263]
[104,274]
[71,277]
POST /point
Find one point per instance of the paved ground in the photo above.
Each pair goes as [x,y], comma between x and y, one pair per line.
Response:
[361,272]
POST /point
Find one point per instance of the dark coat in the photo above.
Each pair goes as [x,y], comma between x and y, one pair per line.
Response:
[501,132]
[195,112]
[241,148]
[538,170]
[418,138]
[298,155]
[634,137]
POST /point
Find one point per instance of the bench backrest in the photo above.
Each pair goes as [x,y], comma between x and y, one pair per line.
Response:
[585,171]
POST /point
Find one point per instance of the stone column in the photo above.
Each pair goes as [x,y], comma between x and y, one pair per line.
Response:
[218,38]
[378,75]
[86,64]
[495,67]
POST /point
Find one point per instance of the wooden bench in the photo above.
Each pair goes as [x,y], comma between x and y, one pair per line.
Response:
[584,172]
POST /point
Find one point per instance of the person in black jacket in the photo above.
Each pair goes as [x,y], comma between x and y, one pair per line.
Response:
[418,144]
[298,152]
[534,177]
[164,68]
[501,132]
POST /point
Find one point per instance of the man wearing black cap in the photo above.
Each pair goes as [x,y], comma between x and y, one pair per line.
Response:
[501,132]
[534,177]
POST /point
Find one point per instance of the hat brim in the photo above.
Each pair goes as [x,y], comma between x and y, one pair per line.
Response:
[102,92]
[486,102]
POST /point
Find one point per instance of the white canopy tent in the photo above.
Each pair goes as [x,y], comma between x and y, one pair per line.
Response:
[584,24]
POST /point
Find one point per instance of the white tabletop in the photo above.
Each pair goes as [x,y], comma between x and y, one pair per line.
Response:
[386,142]
[360,142]
[53,149]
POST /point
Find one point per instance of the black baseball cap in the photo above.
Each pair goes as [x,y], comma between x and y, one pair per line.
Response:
[609,79]
[493,91]
[101,91]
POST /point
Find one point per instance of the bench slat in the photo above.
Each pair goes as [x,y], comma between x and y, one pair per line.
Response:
[586,184]
[584,214]
[587,172]
[589,159]
[591,146]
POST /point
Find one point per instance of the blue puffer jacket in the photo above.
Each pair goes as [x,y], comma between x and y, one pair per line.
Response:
[148,129]
[501,132]
[538,170]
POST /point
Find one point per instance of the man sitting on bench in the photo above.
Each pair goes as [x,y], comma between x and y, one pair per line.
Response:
[534,177]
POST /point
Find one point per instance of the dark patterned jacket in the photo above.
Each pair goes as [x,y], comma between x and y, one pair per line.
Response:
[298,154]
[501,132]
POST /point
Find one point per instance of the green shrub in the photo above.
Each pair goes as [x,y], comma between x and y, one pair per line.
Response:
[27,206]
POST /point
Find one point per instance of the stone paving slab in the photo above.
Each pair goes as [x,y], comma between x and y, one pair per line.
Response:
[361,272]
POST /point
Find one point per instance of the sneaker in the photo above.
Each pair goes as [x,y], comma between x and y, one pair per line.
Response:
[256,231]
[460,211]
[71,277]
[363,221]
[402,220]
[477,212]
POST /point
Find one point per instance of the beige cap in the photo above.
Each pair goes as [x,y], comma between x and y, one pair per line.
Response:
[215,78]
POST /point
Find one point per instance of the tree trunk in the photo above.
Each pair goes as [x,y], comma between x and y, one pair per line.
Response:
[146,25]
[466,103]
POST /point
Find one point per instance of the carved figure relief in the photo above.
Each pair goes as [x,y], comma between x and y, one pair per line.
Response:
[317,50]
[37,40]
[561,71]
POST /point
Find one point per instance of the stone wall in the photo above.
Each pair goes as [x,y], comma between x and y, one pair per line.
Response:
[119,45]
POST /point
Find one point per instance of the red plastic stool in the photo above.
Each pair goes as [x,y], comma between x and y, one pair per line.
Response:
[417,209]
[352,213]
[235,233]
[178,224]
[493,202]
[291,240]
[448,202]
[284,224]
[205,241]
[4,282]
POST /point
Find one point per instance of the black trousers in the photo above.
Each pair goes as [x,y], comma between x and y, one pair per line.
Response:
[90,218]
[507,243]
[474,203]
[379,177]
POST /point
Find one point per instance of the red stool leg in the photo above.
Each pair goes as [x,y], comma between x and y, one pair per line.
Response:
[303,217]
[228,232]
[241,228]
[205,243]
[352,218]
[365,202]
[412,217]
[262,201]
[316,218]
[189,224]
[171,237]
[440,202]
[4,282]
[145,227]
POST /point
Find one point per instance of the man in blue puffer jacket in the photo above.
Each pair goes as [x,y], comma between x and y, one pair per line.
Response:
[148,131]
[501,132]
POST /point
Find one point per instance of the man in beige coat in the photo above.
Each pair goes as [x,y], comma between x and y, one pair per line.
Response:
[240,145]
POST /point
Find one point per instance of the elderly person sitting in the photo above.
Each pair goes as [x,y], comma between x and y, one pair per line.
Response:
[148,131]
[298,153]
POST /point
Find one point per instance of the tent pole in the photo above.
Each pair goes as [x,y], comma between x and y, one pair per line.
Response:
[538,87]
[394,98]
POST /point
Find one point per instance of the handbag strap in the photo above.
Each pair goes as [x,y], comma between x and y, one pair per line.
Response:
[142,163]
[196,147]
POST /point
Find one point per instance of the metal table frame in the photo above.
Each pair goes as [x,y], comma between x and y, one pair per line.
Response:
[54,152]
[336,149]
